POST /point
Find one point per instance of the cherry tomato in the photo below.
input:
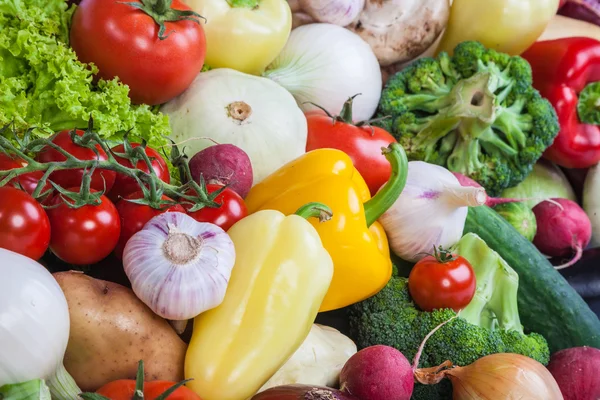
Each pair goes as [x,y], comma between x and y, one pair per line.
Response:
[363,145]
[71,178]
[442,281]
[123,41]
[83,235]
[124,184]
[134,216]
[124,389]
[24,225]
[27,181]
[232,209]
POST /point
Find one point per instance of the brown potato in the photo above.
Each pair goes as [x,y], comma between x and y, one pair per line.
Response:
[111,330]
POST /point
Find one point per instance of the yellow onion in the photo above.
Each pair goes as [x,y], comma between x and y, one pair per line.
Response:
[501,376]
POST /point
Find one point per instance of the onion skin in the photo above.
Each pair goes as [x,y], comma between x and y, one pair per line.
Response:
[576,371]
[503,376]
[302,392]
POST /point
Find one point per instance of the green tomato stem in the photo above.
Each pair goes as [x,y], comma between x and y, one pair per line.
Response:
[388,195]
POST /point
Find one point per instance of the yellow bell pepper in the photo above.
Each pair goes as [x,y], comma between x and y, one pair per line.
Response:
[508,26]
[245,35]
[356,242]
[278,282]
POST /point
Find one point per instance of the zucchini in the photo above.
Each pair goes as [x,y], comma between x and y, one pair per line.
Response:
[548,305]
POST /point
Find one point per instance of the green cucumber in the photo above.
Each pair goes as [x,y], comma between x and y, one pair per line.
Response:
[548,305]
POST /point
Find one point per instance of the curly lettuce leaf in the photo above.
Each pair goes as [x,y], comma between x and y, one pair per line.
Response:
[43,85]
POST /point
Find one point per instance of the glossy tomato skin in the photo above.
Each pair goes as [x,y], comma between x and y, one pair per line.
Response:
[84,235]
[27,181]
[125,389]
[134,216]
[72,178]
[124,184]
[435,285]
[123,41]
[233,208]
[362,144]
[24,225]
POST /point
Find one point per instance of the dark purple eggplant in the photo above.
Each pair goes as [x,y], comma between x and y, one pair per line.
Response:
[584,276]
[302,392]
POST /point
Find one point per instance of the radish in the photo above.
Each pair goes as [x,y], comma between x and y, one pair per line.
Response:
[378,373]
[490,201]
[223,164]
[577,372]
[563,227]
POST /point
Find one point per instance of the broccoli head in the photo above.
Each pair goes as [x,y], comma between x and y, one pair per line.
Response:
[475,112]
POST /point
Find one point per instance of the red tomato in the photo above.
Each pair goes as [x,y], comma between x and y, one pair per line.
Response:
[134,217]
[231,211]
[124,389]
[124,184]
[362,144]
[72,178]
[27,181]
[434,283]
[83,235]
[24,225]
[123,41]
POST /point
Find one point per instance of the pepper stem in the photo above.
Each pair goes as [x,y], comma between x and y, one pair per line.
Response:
[317,210]
[388,194]
[588,105]
[252,4]
[62,385]
[161,11]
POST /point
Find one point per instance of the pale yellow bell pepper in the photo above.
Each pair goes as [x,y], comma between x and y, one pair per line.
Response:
[280,277]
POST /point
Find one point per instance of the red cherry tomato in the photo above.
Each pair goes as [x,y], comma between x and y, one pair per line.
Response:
[24,225]
[124,389]
[71,178]
[134,216]
[363,145]
[434,283]
[124,184]
[27,181]
[83,235]
[232,209]
[123,41]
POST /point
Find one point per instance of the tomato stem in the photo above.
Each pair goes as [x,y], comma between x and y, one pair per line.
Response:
[441,255]
[161,11]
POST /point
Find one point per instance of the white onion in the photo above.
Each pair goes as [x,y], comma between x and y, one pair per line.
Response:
[326,64]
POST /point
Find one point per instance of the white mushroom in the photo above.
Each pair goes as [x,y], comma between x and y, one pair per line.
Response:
[400,30]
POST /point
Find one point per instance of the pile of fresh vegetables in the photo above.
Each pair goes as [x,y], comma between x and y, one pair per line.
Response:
[270,199]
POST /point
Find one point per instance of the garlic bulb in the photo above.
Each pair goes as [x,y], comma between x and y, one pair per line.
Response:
[431,211]
[337,12]
[179,267]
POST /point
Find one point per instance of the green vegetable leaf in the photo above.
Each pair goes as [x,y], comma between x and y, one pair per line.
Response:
[43,85]
[31,390]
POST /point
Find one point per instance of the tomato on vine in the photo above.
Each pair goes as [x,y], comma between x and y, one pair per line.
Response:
[125,185]
[86,234]
[24,225]
[232,208]
[27,182]
[101,179]
[133,217]
[442,280]
[360,141]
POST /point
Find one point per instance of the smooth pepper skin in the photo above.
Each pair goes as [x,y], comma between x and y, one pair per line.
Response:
[245,35]
[508,26]
[360,253]
[277,284]
[561,70]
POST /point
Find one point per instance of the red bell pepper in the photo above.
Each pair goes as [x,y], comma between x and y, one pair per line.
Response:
[566,72]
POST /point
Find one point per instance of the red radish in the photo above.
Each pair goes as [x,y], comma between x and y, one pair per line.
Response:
[563,227]
[490,201]
[223,164]
[378,373]
[577,372]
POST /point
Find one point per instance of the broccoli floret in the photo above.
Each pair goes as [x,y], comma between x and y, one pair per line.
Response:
[391,318]
[474,112]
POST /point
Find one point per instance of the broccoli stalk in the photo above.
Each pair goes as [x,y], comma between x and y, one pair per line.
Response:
[475,113]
